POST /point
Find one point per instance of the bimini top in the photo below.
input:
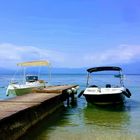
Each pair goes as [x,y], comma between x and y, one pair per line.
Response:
[34,63]
[106,68]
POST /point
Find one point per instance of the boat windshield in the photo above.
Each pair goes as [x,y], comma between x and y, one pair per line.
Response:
[31,78]
[104,79]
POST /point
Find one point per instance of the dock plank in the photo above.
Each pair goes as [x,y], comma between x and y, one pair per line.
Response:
[19,103]
[54,89]
[32,97]
[7,109]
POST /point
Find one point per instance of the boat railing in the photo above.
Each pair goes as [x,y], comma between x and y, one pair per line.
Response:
[14,82]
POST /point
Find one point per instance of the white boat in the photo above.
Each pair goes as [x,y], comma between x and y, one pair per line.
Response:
[30,81]
[108,94]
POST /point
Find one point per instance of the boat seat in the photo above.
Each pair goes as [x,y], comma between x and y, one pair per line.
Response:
[93,86]
[108,86]
[31,80]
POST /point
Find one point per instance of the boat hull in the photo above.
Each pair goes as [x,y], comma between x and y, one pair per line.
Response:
[17,89]
[19,92]
[105,99]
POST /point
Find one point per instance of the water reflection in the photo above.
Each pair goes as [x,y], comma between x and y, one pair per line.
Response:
[86,121]
[110,117]
[42,129]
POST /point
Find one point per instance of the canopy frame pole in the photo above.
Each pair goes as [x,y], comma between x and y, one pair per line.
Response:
[13,78]
[121,79]
[88,75]
[39,69]
[24,74]
[49,73]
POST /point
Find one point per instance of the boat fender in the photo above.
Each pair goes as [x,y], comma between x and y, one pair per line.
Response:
[128,91]
[77,87]
[126,94]
[7,93]
[81,93]
[69,91]
[74,90]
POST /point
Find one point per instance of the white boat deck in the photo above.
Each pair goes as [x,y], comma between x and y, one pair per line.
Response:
[100,91]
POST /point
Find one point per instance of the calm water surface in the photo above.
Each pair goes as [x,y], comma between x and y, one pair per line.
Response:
[85,121]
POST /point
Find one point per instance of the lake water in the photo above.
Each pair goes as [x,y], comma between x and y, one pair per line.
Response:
[85,121]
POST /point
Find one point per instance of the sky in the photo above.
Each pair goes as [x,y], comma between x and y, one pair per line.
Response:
[70,33]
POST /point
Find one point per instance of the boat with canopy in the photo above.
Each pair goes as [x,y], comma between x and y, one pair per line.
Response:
[108,94]
[29,82]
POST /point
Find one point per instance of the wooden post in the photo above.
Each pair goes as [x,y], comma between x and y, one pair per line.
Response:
[68,101]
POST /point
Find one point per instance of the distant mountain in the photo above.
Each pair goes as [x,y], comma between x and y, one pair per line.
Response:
[133,68]
[6,71]
[68,70]
[45,70]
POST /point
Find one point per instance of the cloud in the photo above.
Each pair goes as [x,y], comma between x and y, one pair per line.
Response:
[119,55]
[11,54]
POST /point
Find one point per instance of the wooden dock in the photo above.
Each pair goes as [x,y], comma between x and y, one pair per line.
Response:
[20,113]
[56,89]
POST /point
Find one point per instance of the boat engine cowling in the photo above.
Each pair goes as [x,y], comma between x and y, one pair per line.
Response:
[127,93]
[81,93]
